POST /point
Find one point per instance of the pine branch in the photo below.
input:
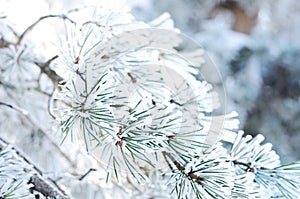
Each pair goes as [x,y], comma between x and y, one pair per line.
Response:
[41,184]
[191,174]
[43,187]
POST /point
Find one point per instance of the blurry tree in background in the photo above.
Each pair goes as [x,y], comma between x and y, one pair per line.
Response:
[110,99]
[256,47]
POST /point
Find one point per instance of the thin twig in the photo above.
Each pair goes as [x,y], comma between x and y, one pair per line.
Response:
[191,174]
[86,174]
[235,162]
[64,17]
[24,112]
[5,104]
[52,75]
[175,162]
[95,23]
[45,68]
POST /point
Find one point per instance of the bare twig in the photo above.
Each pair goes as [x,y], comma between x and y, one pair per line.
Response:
[45,68]
[95,23]
[86,174]
[14,107]
[64,17]
[52,75]
[5,104]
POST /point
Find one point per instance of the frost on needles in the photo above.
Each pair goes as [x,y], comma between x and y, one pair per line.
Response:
[139,98]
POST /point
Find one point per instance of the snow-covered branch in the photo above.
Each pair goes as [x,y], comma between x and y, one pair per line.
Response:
[24,176]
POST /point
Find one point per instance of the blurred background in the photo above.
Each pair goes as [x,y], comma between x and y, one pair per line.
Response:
[255,44]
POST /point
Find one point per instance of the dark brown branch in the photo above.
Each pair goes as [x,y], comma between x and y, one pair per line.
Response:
[175,162]
[38,21]
[247,166]
[45,68]
[199,180]
[52,75]
[41,184]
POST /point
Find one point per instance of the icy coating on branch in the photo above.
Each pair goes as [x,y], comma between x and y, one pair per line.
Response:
[144,100]
[138,94]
